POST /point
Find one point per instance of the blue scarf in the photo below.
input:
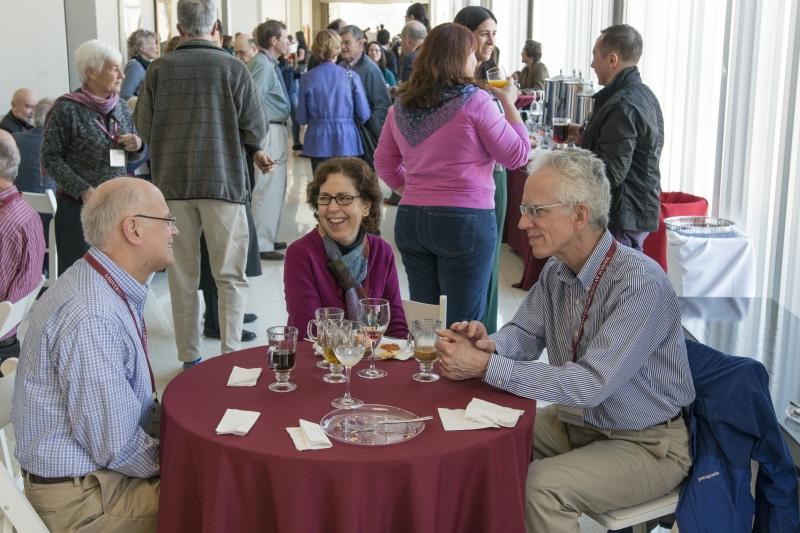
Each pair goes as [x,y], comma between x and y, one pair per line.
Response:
[350,270]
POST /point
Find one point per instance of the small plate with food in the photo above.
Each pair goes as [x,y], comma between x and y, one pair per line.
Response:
[391,348]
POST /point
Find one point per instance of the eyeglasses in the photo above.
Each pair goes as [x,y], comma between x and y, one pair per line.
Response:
[535,211]
[169,220]
[341,199]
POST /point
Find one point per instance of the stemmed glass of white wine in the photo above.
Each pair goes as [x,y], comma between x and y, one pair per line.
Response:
[350,345]
[373,317]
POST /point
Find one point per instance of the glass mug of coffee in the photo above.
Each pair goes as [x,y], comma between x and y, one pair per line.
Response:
[281,350]
[422,340]
[320,316]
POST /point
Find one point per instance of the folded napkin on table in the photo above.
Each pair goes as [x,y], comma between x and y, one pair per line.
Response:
[479,414]
[491,413]
[243,377]
[309,436]
[236,422]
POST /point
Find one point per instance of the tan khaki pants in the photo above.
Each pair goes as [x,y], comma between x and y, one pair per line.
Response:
[104,501]
[227,238]
[578,469]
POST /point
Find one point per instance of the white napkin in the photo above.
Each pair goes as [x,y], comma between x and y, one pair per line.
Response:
[309,436]
[490,413]
[236,422]
[456,419]
[243,377]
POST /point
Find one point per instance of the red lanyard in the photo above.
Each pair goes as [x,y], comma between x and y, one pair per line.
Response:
[589,297]
[95,264]
[111,136]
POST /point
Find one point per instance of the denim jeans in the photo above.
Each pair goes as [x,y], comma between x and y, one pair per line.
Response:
[450,251]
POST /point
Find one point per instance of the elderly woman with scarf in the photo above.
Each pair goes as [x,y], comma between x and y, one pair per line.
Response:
[339,262]
[89,137]
[438,149]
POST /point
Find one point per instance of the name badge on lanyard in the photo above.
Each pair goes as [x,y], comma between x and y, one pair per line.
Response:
[571,415]
[116,157]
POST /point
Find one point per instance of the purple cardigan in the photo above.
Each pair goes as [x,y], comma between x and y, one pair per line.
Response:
[309,285]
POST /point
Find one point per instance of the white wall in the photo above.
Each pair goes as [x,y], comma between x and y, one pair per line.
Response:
[29,61]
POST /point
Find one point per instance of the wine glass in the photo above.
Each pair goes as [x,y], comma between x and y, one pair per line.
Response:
[281,343]
[422,339]
[373,317]
[350,347]
[332,331]
[321,314]
[497,77]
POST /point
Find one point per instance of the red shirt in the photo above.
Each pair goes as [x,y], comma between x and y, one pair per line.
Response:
[21,248]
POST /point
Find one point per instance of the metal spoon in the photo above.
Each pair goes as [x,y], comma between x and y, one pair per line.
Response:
[406,420]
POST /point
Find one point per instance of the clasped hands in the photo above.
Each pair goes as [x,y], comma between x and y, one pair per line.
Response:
[464,350]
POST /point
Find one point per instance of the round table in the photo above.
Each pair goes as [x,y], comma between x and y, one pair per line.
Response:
[437,482]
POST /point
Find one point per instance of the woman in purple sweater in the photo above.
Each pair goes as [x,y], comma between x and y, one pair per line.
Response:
[338,262]
[438,148]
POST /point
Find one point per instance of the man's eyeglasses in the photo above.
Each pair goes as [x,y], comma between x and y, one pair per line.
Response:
[169,220]
[341,199]
[534,211]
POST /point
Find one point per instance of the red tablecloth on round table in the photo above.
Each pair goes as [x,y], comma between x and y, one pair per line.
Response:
[439,481]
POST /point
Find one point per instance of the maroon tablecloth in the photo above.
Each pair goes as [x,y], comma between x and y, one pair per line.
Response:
[439,481]
[515,237]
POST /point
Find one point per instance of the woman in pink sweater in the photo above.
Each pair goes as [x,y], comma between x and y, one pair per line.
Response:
[438,148]
[338,262]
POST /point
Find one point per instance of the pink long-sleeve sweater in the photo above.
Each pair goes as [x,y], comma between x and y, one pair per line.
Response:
[453,166]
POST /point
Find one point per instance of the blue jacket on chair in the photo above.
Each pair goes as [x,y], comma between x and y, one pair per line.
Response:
[731,422]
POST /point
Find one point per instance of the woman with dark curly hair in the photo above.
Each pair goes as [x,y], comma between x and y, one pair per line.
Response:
[339,262]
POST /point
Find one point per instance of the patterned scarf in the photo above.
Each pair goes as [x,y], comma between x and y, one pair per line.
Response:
[95,103]
[350,270]
[416,125]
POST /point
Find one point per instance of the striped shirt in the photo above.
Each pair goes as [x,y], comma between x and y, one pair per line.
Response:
[83,393]
[21,248]
[631,372]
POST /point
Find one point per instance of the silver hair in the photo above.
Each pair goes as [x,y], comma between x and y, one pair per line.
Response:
[197,17]
[9,157]
[40,111]
[100,216]
[583,180]
[414,30]
[93,54]
[355,31]
[137,40]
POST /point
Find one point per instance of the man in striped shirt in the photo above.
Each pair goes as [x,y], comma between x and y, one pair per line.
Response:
[83,407]
[21,240]
[617,373]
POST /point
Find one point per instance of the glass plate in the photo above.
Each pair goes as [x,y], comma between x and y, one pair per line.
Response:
[361,425]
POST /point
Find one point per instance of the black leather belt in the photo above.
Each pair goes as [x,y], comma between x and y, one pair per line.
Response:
[33,478]
[281,122]
[670,421]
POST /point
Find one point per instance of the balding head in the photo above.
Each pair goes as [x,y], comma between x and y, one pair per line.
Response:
[412,35]
[9,157]
[22,104]
[128,220]
[244,46]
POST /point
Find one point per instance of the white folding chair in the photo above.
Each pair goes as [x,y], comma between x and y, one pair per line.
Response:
[11,314]
[16,512]
[417,310]
[638,515]
[45,203]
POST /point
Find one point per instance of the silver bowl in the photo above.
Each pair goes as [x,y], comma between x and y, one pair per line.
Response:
[703,225]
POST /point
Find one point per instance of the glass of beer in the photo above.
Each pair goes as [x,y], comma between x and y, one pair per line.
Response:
[422,340]
[497,77]
[281,347]
[350,347]
[332,330]
[560,131]
[321,314]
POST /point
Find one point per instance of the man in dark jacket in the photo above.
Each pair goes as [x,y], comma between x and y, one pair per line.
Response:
[20,117]
[626,131]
